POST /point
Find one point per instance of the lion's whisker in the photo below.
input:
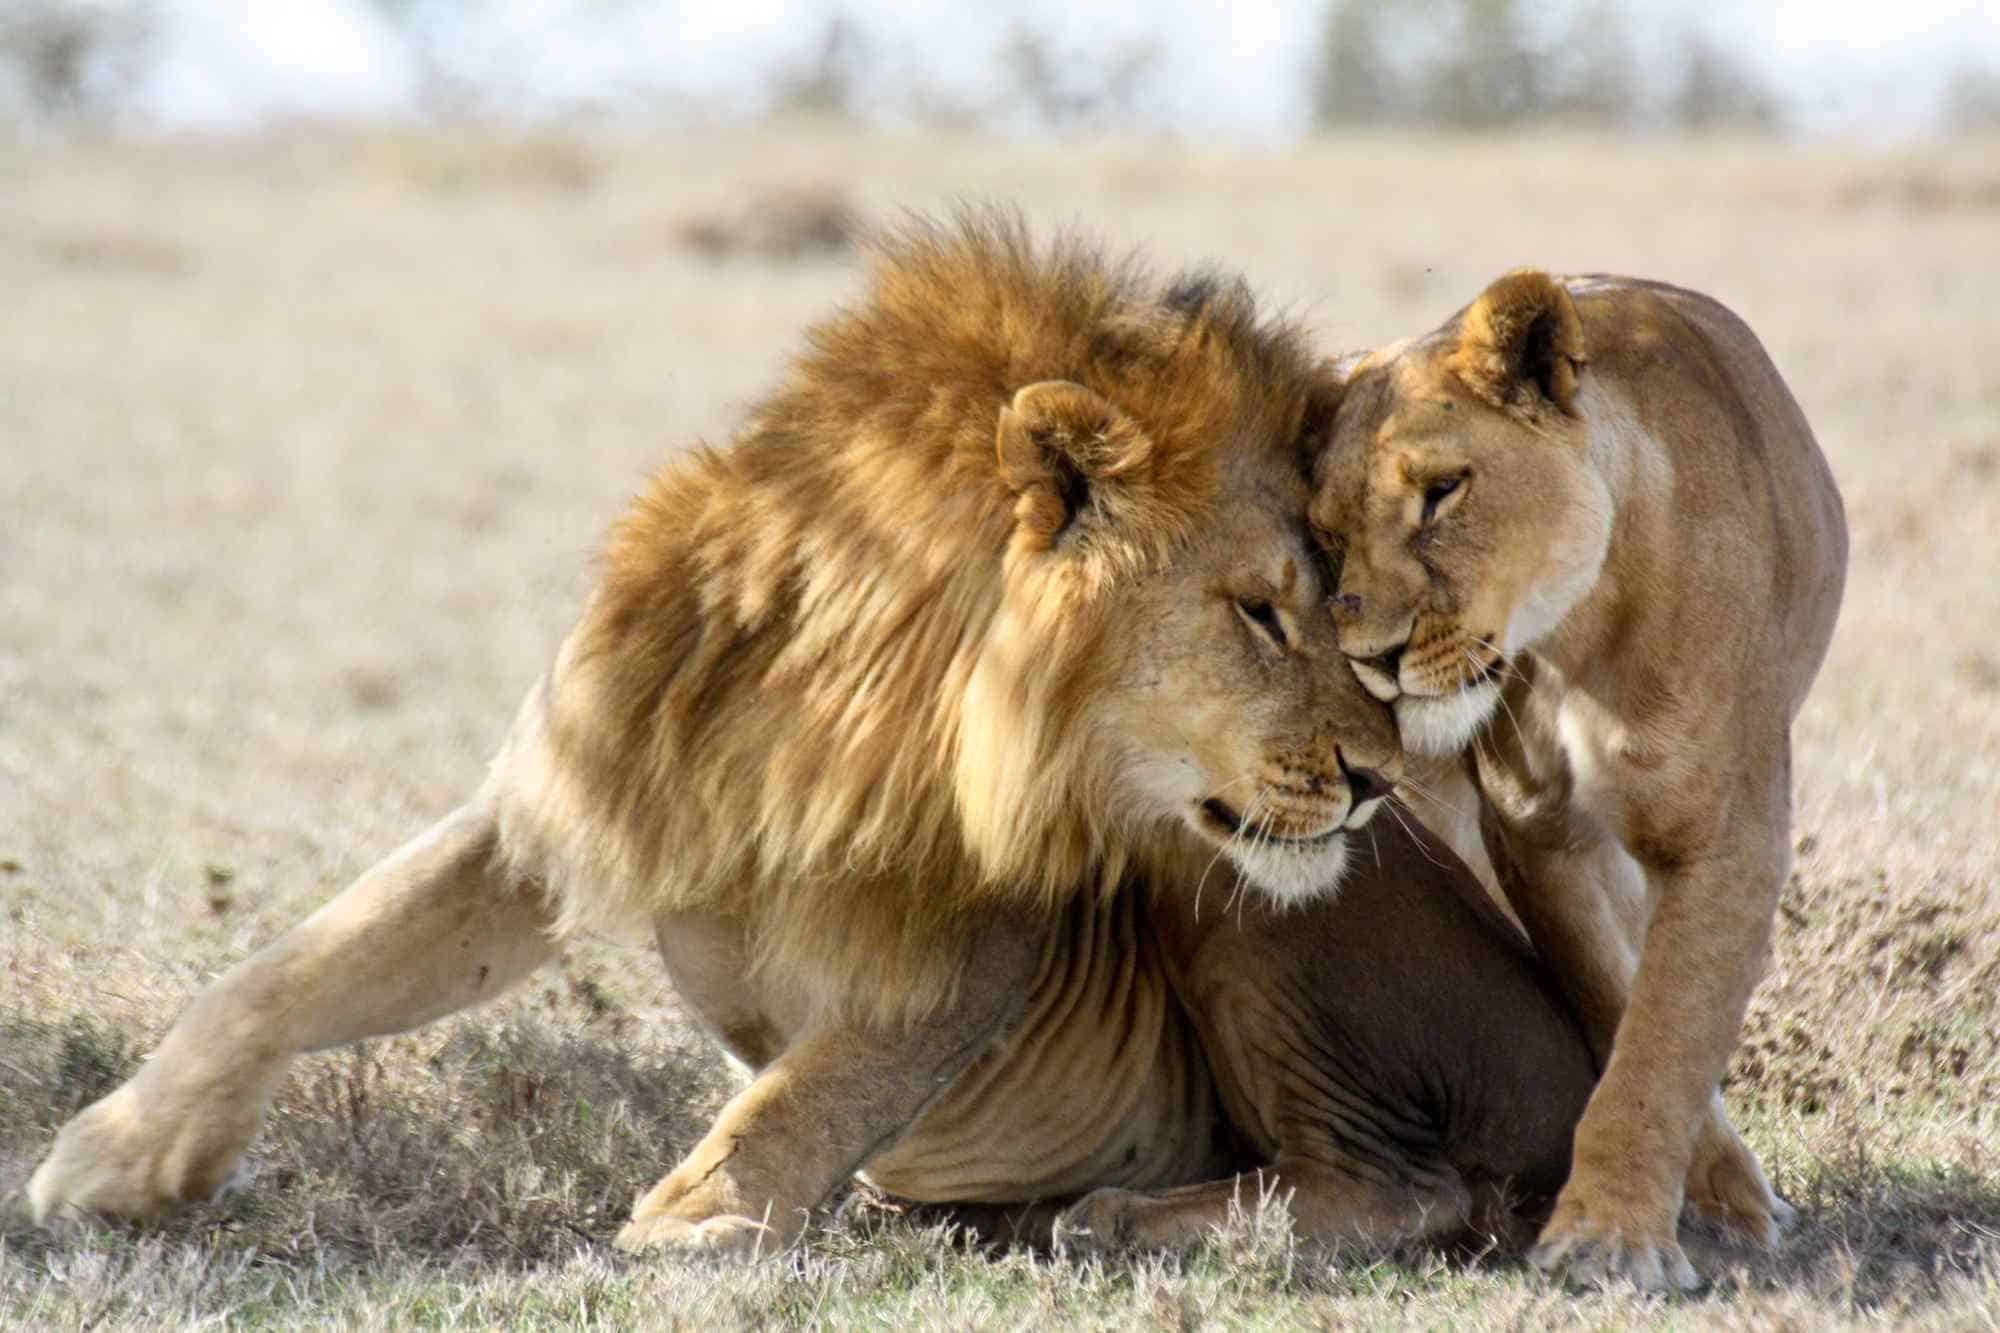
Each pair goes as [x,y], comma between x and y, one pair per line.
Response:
[1250,815]
[1220,850]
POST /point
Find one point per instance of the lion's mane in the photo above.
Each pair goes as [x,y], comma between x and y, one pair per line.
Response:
[828,684]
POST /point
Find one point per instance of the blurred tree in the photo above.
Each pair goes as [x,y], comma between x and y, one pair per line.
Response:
[1718,92]
[1487,75]
[434,32]
[1069,89]
[825,84]
[1462,64]
[1498,64]
[72,62]
[1594,75]
[1971,100]
[1352,82]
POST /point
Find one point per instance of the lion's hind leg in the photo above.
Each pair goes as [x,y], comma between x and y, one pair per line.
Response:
[437,926]
[829,1101]
[1328,1205]
[804,1124]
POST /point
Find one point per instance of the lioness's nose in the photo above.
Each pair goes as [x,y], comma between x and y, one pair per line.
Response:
[1364,784]
[1389,663]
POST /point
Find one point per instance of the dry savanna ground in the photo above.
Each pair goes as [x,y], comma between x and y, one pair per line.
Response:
[305,445]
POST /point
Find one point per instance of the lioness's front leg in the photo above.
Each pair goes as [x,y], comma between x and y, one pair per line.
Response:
[1664,1018]
[1636,1143]
[828,1103]
[434,928]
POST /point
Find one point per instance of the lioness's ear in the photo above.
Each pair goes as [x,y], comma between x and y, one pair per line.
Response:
[1521,337]
[1057,443]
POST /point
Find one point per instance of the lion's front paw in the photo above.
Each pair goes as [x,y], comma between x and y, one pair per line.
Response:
[726,1237]
[1726,1188]
[122,1157]
[1593,1243]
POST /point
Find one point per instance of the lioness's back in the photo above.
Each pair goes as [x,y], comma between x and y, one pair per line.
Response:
[1741,430]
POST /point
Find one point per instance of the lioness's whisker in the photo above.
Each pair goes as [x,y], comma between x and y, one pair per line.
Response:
[1501,694]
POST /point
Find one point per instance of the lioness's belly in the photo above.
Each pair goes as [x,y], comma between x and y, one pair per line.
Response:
[1103,1083]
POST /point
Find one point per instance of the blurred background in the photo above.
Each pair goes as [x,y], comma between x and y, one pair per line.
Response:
[1259,70]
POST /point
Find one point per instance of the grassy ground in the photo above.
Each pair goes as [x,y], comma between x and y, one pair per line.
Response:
[306,446]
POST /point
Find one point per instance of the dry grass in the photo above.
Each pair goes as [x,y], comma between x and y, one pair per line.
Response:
[307,444]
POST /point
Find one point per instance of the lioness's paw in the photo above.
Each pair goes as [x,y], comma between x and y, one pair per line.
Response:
[121,1158]
[1727,1190]
[1587,1250]
[725,1237]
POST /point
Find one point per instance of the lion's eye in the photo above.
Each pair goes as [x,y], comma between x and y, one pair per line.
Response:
[1264,616]
[1438,492]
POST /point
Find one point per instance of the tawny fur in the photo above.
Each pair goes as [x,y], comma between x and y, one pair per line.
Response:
[914,724]
[809,692]
[1587,539]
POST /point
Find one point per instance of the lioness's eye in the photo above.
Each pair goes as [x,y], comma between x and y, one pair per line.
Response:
[1264,616]
[1436,493]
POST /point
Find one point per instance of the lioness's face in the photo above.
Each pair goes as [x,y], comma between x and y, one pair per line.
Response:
[1462,533]
[1225,704]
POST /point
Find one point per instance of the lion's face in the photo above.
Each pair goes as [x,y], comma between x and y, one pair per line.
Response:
[1230,709]
[1457,499]
[1199,685]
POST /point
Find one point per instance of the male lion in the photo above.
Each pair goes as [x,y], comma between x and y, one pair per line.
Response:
[912,723]
[1585,535]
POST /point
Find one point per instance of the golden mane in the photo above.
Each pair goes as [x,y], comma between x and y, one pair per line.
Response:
[827,682]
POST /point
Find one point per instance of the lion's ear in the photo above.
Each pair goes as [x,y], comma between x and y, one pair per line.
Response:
[1519,340]
[1058,442]
[1323,398]
[1342,367]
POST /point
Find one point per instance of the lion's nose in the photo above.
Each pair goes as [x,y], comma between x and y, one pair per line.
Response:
[1363,784]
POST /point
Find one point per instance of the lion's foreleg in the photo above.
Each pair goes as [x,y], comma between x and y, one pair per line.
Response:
[827,1104]
[435,927]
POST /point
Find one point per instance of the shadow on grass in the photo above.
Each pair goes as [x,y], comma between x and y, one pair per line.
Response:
[1873,1235]
[520,1145]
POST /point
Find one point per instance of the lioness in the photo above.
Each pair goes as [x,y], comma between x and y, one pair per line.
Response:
[1585,535]
[913,724]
